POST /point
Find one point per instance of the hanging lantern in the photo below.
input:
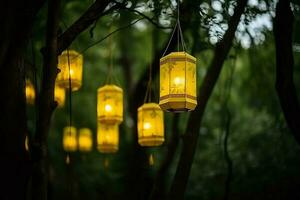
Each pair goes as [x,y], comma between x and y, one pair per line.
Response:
[70,64]
[70,139]
[85,141]
[178,82]
[26,143]
[59,95]
[110,104]
[29,92]
[150,125]
[108,138]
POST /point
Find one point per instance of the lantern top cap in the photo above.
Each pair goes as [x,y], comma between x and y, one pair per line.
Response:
[85,131]
[178,54]
[71,53]
[149,106]
[110,88]
[70,129]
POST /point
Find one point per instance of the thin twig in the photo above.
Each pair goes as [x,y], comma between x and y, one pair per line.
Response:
[105,37]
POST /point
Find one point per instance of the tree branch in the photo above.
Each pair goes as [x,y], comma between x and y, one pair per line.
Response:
[191,135]
[283,30]
[94,12]
[158,190]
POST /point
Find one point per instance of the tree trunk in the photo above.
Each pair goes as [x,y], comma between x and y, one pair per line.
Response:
[283,31]
[191,135]
[46,103]
[16,19]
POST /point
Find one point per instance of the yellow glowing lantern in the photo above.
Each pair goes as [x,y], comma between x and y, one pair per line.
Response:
[178,82]
[108,138]
[59,95]
[29,92]
[70,64]
[150,125]
[110,104]
[70,139]
[26,143]
[85,141]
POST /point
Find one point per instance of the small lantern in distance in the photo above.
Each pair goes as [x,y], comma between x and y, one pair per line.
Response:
[178,82]
[110,104]
[29,92]
[85,141]
[108,138]
[70,64]
[70,139]
[59,95]
[150,125]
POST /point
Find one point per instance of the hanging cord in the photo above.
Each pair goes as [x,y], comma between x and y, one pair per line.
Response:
[35,84]
[179,33]
[110,65]
[70,93]
[149,85]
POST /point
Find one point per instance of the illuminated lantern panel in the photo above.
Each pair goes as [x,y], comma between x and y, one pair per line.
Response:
[85,141]
[29,92]
[108,138]
[178,82]
[74,60]
[59,95]
[26,143]
[150,125]
[70,139]
[110,104]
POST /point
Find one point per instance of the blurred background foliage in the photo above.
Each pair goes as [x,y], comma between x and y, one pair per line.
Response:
[265,155]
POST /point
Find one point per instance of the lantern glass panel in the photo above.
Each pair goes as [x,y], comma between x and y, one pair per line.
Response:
[70,139]
[29,92]
[59,95]
[110,104]
[108,137]
[74,60]
[85,141]
[150,125]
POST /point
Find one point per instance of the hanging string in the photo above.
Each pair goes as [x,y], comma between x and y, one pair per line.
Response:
[179,33]
[110,65]
[149,85]
[70,93]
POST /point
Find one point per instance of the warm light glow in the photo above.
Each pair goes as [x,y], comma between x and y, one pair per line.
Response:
[178,82]
[71,72]
[29,92]
[150,125]
[147,125]
[151,160]
[70,64]
[108,108]
[59,95]
[110,104]
[108,138]
[85,141]
[70,139]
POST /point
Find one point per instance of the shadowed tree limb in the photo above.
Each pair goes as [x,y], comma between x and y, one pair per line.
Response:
[283,30]
[94,12]
[16,21]
[158,185]
[46,103]
[191,135]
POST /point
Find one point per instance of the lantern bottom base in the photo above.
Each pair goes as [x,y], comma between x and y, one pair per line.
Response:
[150,142]
[75,85]
[108,149]
[178,106]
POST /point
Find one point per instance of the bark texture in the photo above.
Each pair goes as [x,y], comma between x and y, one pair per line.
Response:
[283,30]
[190,137]
[16,20]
